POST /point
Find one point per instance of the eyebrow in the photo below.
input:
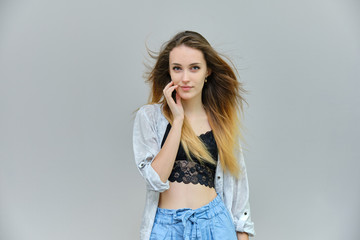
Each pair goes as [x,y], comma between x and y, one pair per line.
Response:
[178,64]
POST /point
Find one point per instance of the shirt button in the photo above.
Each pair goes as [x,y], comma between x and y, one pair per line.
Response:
[141,165]
[245,213]
[218,177]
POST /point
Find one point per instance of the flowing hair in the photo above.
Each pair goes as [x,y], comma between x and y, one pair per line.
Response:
[221,97]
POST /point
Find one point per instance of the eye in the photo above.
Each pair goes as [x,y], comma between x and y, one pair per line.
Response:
[195,68]
[176,68]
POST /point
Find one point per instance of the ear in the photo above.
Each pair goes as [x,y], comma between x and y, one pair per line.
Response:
[208,72]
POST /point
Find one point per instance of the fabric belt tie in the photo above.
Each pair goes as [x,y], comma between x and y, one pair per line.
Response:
[189,221]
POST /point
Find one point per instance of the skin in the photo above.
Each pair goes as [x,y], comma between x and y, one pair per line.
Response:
[188,70]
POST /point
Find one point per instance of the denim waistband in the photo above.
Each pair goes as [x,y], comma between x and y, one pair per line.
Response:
[207,211]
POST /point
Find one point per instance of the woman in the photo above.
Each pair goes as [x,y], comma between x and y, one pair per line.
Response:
[186,146]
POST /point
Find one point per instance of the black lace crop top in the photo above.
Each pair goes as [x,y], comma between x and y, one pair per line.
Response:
[194,172]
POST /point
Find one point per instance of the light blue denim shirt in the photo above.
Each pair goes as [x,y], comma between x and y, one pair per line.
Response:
[149,128]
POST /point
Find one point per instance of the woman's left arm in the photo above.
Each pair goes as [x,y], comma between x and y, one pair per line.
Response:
[242,236]
[240,206]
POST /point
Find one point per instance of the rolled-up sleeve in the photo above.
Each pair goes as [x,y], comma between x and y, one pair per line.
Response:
[146,147]
[241,206]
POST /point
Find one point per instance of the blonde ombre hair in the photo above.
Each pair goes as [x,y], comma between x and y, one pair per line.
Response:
[221,97]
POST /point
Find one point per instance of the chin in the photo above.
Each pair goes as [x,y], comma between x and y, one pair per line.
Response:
[186,96]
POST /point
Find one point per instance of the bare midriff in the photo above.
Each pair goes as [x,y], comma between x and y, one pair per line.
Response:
[181,195]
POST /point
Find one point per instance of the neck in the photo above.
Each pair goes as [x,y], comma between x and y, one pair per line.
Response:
[193,107]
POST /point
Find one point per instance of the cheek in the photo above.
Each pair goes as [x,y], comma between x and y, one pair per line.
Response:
[201,82]
[175,79]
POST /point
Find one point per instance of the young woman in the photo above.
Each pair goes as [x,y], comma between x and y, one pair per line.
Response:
[186,146]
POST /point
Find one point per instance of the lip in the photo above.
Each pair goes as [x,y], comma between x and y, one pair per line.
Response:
[186,88]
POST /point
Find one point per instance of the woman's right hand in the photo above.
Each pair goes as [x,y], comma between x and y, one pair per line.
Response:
[175,107]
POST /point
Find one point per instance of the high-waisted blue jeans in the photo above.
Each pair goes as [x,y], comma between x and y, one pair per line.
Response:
[212,221]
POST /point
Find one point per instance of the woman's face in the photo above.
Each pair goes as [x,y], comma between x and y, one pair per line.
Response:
[188,70]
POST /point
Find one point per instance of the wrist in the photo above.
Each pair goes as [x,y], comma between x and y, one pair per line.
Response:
[178,122]
[242,236]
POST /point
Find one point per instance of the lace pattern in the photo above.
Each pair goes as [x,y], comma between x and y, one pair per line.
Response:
[192,172]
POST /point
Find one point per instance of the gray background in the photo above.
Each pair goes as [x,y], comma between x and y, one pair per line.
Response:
[71,76]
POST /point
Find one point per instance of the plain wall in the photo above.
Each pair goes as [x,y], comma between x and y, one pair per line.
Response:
[71,77]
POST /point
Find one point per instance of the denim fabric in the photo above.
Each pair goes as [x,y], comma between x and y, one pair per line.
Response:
[209,222]
[149,128]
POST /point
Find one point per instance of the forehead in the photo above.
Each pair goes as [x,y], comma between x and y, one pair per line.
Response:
[186,55]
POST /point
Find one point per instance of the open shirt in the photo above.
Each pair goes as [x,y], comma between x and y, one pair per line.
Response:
[149,128]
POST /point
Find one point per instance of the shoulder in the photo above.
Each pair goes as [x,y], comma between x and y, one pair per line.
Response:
[150,109]
[150,112]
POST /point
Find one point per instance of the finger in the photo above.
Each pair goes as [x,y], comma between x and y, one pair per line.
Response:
[166,88]
[169,84]
[173,87]
[178,99]
[169,91]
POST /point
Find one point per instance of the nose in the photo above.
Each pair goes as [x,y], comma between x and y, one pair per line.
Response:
[185,76]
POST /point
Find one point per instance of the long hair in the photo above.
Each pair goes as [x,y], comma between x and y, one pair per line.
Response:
[221,97]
